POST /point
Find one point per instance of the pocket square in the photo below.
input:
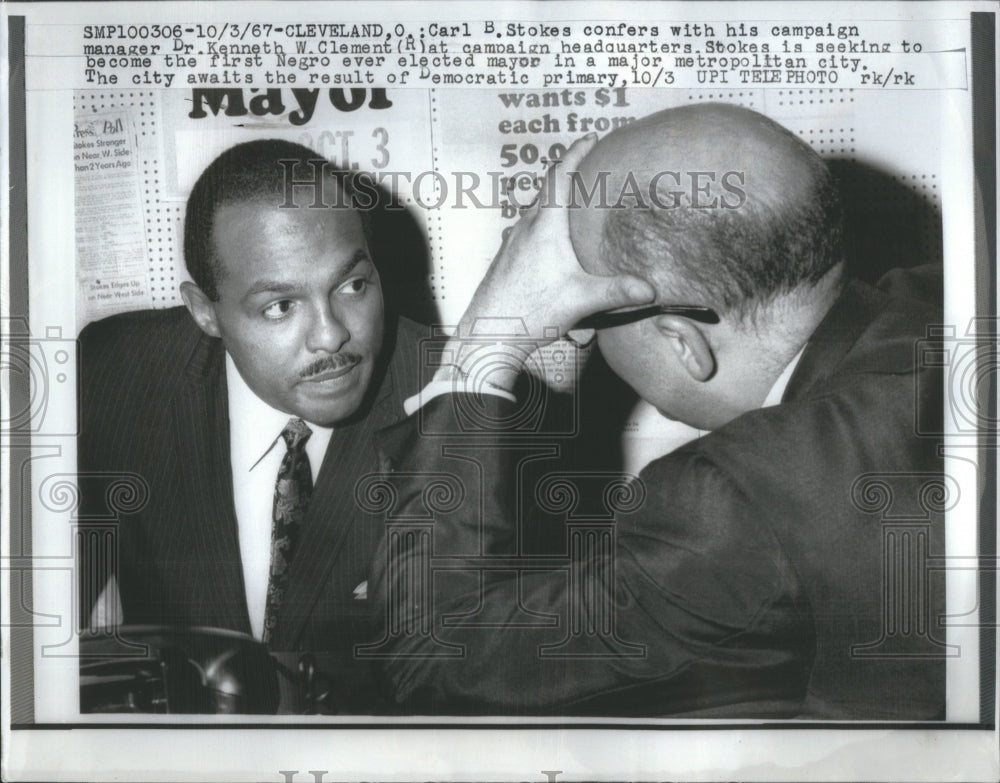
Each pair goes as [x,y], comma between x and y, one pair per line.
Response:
[361,591]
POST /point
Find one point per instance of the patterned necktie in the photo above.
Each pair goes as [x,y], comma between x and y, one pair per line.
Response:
[291,497]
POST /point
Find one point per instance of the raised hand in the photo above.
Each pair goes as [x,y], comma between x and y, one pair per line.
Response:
[535,286]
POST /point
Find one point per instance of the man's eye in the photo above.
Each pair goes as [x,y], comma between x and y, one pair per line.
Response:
[355,286]
[278,310]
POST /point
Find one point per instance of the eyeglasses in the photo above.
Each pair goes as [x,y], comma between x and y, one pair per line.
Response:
[705,315]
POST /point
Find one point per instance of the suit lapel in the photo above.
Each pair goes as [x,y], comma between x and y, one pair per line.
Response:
[201,419]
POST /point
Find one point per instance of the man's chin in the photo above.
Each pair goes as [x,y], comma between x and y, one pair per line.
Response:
[327,410]
[327,402]
[327,416]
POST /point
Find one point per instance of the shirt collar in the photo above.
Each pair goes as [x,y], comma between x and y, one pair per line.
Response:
[781,382]
[260,425]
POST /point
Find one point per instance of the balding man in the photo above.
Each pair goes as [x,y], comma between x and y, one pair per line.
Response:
[749,580]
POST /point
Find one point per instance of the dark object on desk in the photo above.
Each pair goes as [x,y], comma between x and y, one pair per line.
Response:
[156,669]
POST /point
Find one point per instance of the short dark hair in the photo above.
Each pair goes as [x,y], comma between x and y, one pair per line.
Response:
[733,259]
[250,171]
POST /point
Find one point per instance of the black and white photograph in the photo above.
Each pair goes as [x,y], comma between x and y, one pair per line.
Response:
[522,391]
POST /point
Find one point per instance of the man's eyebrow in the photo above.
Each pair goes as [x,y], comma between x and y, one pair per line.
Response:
[359,257]
[269,287]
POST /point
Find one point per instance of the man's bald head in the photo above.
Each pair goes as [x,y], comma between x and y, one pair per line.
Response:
[712,203]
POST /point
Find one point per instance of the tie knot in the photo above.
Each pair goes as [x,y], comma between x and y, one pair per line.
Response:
[295,433]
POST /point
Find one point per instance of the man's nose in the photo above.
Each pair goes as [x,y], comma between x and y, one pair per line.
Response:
[327,333]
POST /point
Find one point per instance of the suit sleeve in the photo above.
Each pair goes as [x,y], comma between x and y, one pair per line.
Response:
[694,609]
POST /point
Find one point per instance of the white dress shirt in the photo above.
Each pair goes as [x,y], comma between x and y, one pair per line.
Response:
[256,450]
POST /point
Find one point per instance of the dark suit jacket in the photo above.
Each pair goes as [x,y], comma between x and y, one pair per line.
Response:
[154,404]
[774,567]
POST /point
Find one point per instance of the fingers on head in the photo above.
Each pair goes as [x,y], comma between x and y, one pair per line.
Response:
[578,151]
[564,168]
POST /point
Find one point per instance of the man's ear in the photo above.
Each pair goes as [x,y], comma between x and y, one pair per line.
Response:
[202,308]
[688,341]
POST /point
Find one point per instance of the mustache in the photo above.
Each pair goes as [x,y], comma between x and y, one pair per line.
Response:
[335,362]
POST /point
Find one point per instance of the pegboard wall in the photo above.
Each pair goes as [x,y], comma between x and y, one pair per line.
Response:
[890,188]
